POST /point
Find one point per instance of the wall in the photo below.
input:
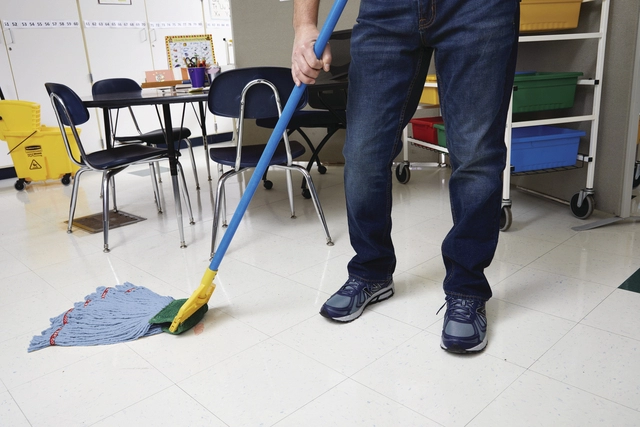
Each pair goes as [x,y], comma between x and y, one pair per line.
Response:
[264,36]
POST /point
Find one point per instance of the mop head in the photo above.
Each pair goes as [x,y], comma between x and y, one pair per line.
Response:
[108,316]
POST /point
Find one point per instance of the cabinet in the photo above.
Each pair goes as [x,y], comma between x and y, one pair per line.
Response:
[582,203]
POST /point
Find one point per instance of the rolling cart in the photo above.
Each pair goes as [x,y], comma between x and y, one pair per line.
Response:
[582,203]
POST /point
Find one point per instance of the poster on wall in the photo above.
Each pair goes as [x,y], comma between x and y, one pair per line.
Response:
[220,10]
[184,51]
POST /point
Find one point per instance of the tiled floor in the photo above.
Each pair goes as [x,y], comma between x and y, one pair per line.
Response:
[563,349]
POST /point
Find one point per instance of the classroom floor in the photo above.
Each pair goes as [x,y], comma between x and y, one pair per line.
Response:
[564,340]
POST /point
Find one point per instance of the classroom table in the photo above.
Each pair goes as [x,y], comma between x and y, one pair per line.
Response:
[154,97]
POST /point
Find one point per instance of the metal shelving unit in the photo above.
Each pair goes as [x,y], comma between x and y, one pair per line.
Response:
[582,203]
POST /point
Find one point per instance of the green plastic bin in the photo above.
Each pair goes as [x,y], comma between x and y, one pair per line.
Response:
[442,136]
[544,91]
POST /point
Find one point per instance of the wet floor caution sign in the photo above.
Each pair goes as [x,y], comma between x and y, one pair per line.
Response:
[34,165]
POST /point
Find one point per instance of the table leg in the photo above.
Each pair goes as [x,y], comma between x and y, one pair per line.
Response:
[173,166]
[205,143]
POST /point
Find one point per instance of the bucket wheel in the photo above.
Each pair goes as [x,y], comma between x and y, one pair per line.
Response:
[582,206]
[20,184]
[66,179]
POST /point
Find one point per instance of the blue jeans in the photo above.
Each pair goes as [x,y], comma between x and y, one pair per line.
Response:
[474,43]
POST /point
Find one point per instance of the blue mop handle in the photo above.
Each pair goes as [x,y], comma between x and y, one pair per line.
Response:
[278,131]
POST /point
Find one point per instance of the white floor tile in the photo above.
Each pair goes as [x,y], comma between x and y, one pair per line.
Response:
[519,335]
[415,301]
[351,404]
[17,367]
[10,413]
[89,390]
[554,294]
[446,388]
[274,308]
[261,385]
[626,321]
[535,400]
[170,407]
[591,265]
[347,347]
[598,362]
[217,338]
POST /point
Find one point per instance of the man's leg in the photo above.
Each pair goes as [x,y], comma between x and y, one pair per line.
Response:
[386,77]
[476,46]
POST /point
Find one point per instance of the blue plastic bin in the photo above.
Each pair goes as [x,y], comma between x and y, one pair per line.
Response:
[544,147]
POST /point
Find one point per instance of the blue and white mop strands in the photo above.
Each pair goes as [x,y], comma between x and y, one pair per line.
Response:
[108,316]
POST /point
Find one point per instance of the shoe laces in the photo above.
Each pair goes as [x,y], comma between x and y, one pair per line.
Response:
[458,309]
[350,288]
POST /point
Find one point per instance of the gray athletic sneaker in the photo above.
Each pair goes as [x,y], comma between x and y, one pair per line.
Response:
[465,326]
[349,302]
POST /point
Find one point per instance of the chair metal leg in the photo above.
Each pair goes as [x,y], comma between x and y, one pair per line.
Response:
[185,194]
[290,193]
[107,178]
[154,184]
[314,197]
[113,189]
[219,206]
[74,198]
[193,163]
[224,201]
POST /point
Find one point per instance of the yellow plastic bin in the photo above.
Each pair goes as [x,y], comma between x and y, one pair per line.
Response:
[430,94]
[40,155]
[18,116]
[549,15]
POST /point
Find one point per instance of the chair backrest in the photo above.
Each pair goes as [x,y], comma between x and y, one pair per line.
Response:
[226,90]
[70,111]
[116,85]
[63,99]
[335,98]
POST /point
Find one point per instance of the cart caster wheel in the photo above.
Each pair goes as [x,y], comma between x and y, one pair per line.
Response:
[19,185]
[322,169]
[584,211]
[66,180]
[403,173]
[505,218]
[267,184]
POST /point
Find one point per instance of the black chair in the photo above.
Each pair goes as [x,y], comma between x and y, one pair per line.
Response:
[255,93]
[328,100]
[70,113]
[156,137]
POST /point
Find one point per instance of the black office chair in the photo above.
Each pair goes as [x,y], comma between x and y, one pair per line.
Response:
[328,100]
[156,137]
[71,112]
[255,93]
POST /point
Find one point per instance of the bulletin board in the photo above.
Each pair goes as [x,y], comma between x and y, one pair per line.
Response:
[180,47]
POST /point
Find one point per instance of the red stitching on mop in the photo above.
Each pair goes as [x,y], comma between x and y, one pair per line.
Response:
[65,318]
[52,339]
[104,294]
[129,290]
[86,303]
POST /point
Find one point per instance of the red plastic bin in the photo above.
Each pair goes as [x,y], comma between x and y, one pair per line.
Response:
[423,129]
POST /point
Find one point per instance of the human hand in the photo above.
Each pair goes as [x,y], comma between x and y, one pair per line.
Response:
[305,67]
